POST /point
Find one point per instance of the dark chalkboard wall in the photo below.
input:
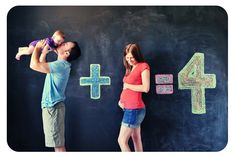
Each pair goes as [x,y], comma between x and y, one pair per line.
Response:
[168,36]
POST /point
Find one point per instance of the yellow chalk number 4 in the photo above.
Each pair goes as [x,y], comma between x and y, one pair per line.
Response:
[192,77]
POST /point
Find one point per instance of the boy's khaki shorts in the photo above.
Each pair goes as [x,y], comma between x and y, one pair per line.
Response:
[53,125]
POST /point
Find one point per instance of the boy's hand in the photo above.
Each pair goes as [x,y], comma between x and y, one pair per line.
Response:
[41,44]
[46,49]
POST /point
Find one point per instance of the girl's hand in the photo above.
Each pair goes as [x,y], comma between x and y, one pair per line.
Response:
[125,86]
[121,105]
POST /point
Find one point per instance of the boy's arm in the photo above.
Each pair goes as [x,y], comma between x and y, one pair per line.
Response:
[44,53]
[35,63]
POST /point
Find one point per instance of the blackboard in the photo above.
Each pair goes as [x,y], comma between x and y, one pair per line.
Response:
[168,36]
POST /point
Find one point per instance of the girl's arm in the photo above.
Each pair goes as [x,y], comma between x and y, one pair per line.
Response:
[144,87]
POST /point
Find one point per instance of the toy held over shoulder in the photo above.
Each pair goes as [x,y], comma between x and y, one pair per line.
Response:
[52,43]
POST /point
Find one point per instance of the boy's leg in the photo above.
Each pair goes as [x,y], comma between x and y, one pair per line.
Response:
[53,126]
[60,149]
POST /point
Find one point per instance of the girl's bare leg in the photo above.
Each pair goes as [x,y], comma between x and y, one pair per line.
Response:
[24,51]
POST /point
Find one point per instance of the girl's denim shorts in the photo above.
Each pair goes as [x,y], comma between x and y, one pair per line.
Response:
[133,117]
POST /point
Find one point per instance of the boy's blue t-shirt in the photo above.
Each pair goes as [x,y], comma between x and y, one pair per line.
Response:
[55,83]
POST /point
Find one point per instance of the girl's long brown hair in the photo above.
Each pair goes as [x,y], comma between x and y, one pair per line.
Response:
[136,53]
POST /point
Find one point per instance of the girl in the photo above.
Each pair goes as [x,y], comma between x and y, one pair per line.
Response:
[135,81]
[51,44]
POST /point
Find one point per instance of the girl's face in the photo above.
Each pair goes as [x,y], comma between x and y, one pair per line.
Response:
[130,59]
[58,40]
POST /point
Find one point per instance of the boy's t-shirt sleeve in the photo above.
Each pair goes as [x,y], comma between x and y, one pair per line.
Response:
[55,67]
